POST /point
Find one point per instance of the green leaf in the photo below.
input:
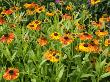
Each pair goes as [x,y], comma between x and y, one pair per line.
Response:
[86,75]
[33,80]
[93,79]
[105,52]
[42,63]
[102,63]
[7,54]
[13,56]
[105,75]
[60,74]
[76,56]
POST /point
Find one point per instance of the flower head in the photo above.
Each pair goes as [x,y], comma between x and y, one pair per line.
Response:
[69,7]
[52,55]
[108,19]
[14,8]
[55,36]
[93,2]
[30,5]
[40,9]
[88,47]
[79,26]
[7,12]
[85,36]
[42,41]
[66,17]
[34,25]
[8,38]
[50,14]
[30,12]
[95,41]
[85,47]
[97,24]
[102,19]
[107,68]
[11,74]
[107,42]
[2,21]
[66,39]
[95,48]
[101,33]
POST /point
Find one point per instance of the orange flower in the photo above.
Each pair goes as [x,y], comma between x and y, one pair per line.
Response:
[107,68]
[12,25]
[49,14]
[107,42]
[7,12]
[34,25]
[52,55]
[79,26]
[101,33]
[84,47]
[8,38]
[30,5]
[85,36]
[42,41]
[2,21]
[66,40]
[108,19]
[69,7]
[97,24]
[95,41]
[102,19]
[66,17]
[94,48]
[11,74]
[40,9]
[30,12]
[37,22]
[14,8]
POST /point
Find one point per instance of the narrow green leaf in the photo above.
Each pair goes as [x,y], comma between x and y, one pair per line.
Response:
[105,75]
[7,54]
[86,75]
[60,74]
[13,56]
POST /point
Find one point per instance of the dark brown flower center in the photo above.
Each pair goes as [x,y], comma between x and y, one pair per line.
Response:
[6,35]
[56,56]
[43,38]
[101,30]
[85,45]
[66,38]
[36,22]
[11,72]
[67,32]
[86,34]
[55,34]
[92,43]
[95,0]
[31,25]
[40,9]
[108,41]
